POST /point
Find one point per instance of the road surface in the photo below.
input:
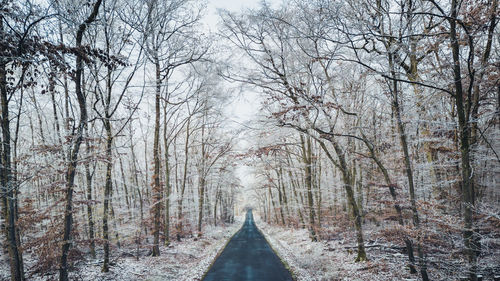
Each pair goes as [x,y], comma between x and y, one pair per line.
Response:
[247,257]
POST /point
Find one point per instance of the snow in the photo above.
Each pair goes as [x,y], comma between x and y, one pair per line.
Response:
[324,260]
[185,260]
[331,260]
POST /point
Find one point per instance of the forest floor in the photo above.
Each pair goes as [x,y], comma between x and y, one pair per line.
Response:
[185,260]
[331,259]
[334,259]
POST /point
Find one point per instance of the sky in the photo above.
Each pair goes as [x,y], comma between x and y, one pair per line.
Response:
[233,5]
[242,111]
[211,17]
[246,106]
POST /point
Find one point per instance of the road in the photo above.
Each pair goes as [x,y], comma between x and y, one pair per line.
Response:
[247,257]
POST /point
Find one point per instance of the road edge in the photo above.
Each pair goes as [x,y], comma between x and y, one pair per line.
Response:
[283,261]
[220,251]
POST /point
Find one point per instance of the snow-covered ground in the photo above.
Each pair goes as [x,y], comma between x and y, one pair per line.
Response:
[185,260]
[324,260]
[332,260]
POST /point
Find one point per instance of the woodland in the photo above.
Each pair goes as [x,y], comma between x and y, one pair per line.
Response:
[377,123]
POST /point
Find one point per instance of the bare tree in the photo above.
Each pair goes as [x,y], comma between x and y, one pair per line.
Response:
[77,138]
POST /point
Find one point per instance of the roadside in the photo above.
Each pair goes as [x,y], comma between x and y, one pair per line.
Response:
[248,256]
[185,260]
[332,260]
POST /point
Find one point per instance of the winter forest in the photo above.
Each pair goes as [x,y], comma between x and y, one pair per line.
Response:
[364,135]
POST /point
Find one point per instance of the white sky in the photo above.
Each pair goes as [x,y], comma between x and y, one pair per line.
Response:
[231,5]
[245,107]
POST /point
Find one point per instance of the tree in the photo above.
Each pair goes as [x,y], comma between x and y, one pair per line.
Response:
[167,28]
[116,44]
[8,185]
[266,41]
[77,138]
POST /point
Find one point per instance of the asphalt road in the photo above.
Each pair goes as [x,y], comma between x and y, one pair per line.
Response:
[247,257]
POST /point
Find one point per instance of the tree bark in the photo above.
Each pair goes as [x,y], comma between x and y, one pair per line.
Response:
[409,172]
[348,187]
[202,173]
[157,190]
[167,185]
[397,207]
[307,160]
[7,181]
[108,188]
[184,180]
[472,245]
[77,140]
[90,216]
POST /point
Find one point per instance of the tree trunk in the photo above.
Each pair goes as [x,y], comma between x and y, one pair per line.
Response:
[271,201]
[348,186]
[125,188]
[157,190]
[407,160]
[90,218]
[202,173]
[307,159]
[167,198]
[397,207]
[200,203]
[294,188]
[183,186]
[8,184]
[472,245]
[317,185]
[107,192]
[135,178]
[285,197]
[77,140]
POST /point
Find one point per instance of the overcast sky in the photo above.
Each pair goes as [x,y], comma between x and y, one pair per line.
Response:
[211,18]
[246,106]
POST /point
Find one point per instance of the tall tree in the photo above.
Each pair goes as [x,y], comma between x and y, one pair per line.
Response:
[77,138]
[7,174]
[167,29]
[109,97]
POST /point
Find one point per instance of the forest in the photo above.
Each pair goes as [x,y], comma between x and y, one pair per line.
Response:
[369,149]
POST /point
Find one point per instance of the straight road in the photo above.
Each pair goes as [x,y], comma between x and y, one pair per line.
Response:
[247,257]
